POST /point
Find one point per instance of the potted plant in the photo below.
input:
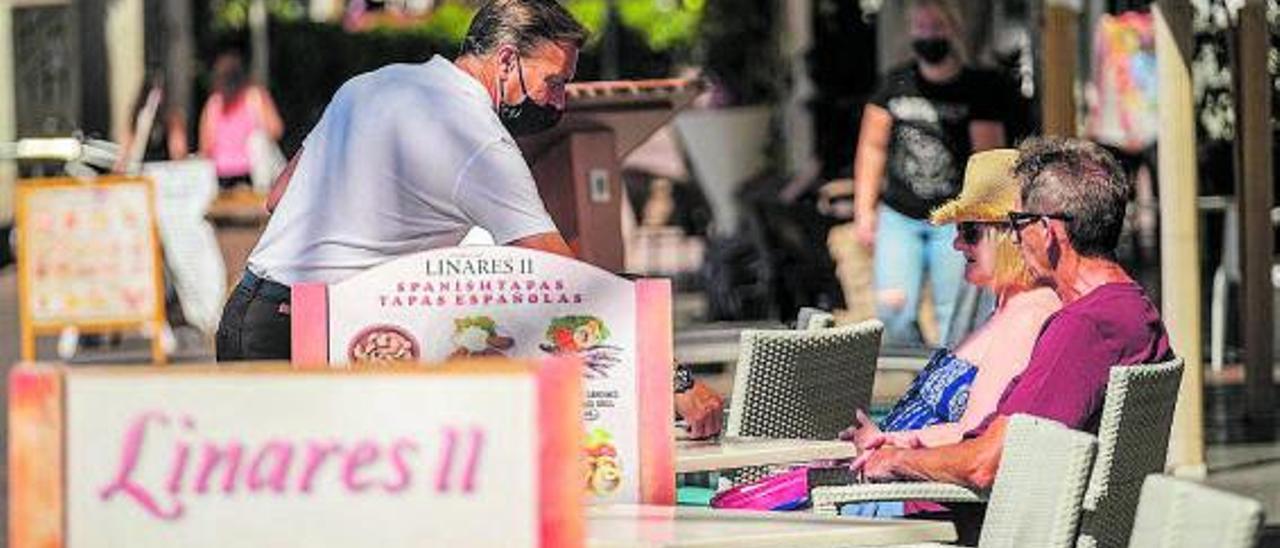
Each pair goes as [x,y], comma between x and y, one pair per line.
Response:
[730,141]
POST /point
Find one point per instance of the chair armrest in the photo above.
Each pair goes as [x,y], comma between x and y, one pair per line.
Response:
[828,500]
[923,545]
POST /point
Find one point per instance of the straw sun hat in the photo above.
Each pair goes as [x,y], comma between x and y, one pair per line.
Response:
[990,190]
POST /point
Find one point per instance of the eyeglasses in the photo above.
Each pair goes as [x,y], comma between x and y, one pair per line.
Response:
[1020,219]
[971,232]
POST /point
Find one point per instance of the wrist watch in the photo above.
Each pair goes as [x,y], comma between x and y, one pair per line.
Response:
[683,379]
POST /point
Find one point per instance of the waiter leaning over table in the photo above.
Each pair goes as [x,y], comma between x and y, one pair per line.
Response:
[409,158]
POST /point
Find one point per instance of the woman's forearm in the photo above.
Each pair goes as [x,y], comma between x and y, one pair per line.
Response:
[871,157]
[939,434]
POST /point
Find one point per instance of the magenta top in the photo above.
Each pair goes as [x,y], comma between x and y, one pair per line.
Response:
[1066,378]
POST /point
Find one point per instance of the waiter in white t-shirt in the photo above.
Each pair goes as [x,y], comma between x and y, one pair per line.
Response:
[409,158]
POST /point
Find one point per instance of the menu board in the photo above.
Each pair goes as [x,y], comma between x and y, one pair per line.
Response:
[490,301]
[88,255]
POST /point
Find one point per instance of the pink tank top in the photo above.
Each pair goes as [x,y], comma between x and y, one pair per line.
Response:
[231,129]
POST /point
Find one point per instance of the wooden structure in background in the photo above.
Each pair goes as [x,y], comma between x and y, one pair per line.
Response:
[1060,39]
[1179,229]
[576,164]
[1254,177]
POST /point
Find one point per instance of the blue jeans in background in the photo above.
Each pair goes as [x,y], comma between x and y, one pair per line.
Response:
[906,249]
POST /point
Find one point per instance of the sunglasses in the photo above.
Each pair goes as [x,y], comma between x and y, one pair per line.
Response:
[1020,219]
[971,232]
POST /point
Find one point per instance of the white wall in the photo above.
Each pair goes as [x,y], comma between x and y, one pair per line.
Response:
[8,116]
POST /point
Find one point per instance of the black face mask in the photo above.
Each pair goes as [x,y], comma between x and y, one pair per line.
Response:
[528,117]
[931,50]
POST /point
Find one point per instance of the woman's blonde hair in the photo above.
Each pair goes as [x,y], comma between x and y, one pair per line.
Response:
[949,11]
[1011,271]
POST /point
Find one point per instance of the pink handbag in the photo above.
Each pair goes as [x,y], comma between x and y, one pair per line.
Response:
[784,491]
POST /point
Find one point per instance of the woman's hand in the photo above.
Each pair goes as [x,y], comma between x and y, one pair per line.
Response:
[702,409]
[864,433]
[864,228]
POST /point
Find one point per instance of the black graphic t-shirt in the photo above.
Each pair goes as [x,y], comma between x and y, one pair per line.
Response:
[930,140]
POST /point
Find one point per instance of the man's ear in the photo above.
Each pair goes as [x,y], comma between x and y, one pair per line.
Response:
[1057,242]
[1060,234]
[505,56]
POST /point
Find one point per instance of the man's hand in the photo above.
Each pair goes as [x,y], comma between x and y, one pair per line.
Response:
[971,463]
[702,409]
[876,465]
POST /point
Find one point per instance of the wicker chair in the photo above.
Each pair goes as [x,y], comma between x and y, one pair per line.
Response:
[801,384]
[1035,500]
[814,318]
[1176,513]
[1132,442]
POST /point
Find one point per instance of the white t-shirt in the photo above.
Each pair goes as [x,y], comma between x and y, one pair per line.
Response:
[405,158]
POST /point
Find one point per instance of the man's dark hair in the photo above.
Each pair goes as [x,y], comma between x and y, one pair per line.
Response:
[524,24]
[1080,179]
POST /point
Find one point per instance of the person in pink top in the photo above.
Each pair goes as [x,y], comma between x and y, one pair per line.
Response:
[234,111]
[1068,224]
[959,389]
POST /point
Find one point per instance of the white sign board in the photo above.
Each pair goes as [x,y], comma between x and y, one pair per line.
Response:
[287,458]
[502,301]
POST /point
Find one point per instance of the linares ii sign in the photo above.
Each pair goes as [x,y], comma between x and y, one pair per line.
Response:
[490,301]
[278,457]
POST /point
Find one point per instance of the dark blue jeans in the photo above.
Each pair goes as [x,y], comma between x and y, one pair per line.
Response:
[255,322]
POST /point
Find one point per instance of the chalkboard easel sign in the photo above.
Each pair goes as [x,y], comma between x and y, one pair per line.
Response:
[89,258]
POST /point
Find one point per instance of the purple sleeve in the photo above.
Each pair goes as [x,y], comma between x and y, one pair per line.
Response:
[1066,377]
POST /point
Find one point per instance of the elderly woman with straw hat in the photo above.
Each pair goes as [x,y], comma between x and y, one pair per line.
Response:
[958,389]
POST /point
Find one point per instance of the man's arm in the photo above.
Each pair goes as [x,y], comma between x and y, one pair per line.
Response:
[282,182]
[702,410]
[496,192]
[551,242]
[971,463]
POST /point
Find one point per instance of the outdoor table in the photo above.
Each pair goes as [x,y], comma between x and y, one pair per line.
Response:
[726,453]
[652,526]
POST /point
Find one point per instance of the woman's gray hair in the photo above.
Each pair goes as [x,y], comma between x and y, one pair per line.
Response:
[524,24]
[1080,179]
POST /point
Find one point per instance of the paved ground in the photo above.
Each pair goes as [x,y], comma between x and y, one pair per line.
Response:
[1250,469]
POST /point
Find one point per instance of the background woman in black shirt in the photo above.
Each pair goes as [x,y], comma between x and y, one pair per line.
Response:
[917,133]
